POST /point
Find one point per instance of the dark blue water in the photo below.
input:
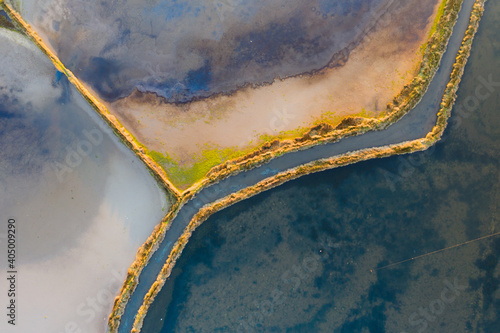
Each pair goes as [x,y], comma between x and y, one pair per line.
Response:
[310,256]
[4,14]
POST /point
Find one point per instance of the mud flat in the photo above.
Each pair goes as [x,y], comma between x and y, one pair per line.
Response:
[82,202]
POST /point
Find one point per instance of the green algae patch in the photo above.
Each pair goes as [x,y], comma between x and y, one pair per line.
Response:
[185,175]
[440,14]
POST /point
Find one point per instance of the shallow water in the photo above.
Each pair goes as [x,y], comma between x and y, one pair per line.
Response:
[82,202]
[192,48]
[304,257]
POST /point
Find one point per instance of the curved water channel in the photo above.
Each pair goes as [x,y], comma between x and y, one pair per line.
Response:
[416,124]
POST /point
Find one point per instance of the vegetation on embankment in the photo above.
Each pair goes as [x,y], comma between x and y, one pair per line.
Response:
[342,160]
[142,257]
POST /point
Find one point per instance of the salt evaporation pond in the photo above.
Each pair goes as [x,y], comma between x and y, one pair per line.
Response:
[81,201]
